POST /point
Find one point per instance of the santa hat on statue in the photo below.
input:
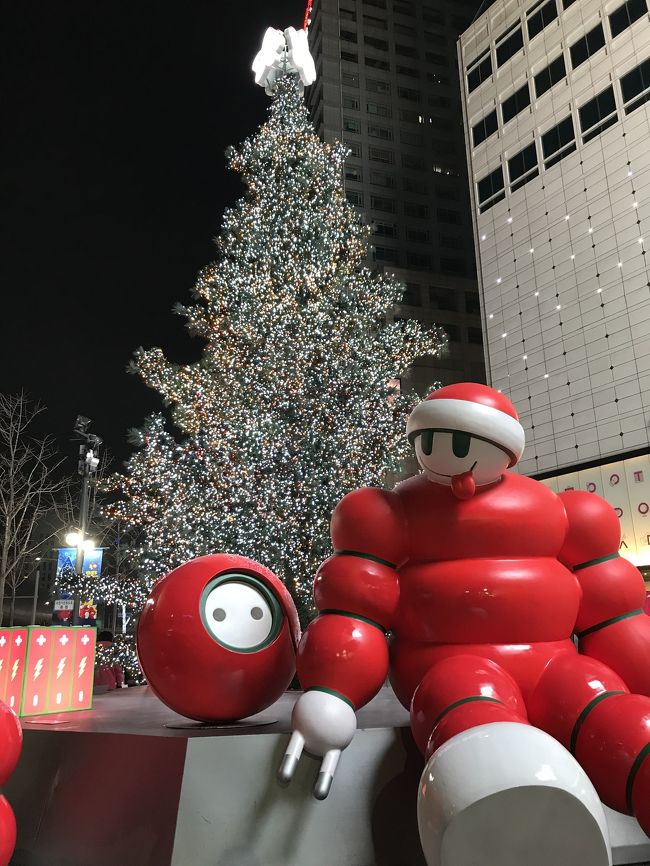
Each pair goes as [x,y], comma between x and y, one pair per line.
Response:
[471,408]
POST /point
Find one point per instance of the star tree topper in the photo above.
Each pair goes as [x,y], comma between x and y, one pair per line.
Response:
[281,53]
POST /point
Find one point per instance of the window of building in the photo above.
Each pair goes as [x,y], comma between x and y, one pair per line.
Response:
[382,132]
[433,16]
[490,189]
[406,51]
[354,147]
[379,4]
[516,103]
[349,56]
[374,42]
[347,15]
[421,261]
[353,172]
[434,38]
[376,86]
[351,102]
[411,295]
[409,116]
[449,170]
[355,197]
[378,202]
[523,167]
[350,79]
[386,254]
[413,162]
[567,3]
[376,154]
[441,298]
[509,44]
[472,304]
[437,78]
[439,101]
[380,178]
[351,125]
[458,267]
[475,336]
[403,29]
[589,44]
[415,209]
[408,93]
[373,21]
[635,86]
[419,236]
[484,128]
[439,145]
[540,16]
[403,8]
[416,185]
[451,242]
[447,192]
[558,142]
[376,63]
[626,15]
[407,70]
[379,109]
[553,73]
[436,59]
[478,72]
[598,114]
[348,36]
[385,230]
[413,138]
[445,215]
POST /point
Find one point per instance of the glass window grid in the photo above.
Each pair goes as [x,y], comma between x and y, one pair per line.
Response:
[589,44]
[523,167]
[625,15]
[509,46]
[479,74]
[558,142]
[540,18]
[486,127]
[550,76]
[635,87]
[604,107]
[490,189]
[515,104]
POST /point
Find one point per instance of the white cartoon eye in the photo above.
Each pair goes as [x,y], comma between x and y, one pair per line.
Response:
[240,613]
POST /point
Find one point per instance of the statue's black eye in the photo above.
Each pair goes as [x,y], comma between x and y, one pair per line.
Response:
[460,444]
[426,442]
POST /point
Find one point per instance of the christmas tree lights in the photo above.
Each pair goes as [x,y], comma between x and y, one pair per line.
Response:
[290,405]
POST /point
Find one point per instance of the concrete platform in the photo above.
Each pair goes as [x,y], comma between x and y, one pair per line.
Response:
[132,784]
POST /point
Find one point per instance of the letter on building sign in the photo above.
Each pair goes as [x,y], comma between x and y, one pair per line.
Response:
[591,487]
[638,475]
[619,512]
[614,479]
[569,488]
[622,545]
[643,507]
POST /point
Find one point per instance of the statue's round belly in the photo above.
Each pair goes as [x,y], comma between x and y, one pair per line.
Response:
[487,600]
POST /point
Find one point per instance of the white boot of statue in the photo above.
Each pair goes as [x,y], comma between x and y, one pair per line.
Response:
[507,794]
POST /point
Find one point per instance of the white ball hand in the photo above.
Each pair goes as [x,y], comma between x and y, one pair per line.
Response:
[323,725]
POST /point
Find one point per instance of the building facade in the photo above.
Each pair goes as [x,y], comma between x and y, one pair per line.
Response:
[387,85]
[557,126]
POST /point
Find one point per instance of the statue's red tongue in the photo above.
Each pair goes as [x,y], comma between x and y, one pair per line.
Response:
[463,486]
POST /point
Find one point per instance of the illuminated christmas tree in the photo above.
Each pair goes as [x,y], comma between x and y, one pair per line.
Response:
[290,406]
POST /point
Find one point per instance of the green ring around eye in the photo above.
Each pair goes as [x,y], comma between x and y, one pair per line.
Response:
[277,614]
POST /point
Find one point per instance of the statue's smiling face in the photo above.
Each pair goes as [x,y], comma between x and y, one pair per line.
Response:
[443,454]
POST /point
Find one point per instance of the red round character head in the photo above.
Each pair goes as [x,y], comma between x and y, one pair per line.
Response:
[217,638]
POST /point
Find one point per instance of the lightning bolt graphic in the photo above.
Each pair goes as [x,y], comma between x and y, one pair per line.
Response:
[38,667]
[59,669]
[82,665]
[2,661]
[14,670]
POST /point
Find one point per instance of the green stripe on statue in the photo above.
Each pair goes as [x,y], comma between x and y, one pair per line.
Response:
[331,692]
[583,715]
[606,622]
[636,766]
[465,701]
[597,561]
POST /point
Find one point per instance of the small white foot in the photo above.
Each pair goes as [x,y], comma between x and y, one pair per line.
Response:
[507,794]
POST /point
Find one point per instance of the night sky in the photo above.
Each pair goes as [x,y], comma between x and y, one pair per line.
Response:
[113,184]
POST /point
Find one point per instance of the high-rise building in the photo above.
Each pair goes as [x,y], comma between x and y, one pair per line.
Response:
[555,96]
[387,85]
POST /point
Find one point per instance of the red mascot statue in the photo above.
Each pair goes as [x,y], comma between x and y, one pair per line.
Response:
[11,741]
[469,584]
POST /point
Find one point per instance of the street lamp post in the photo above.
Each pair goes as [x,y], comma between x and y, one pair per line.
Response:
[87,468]
[37,581]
